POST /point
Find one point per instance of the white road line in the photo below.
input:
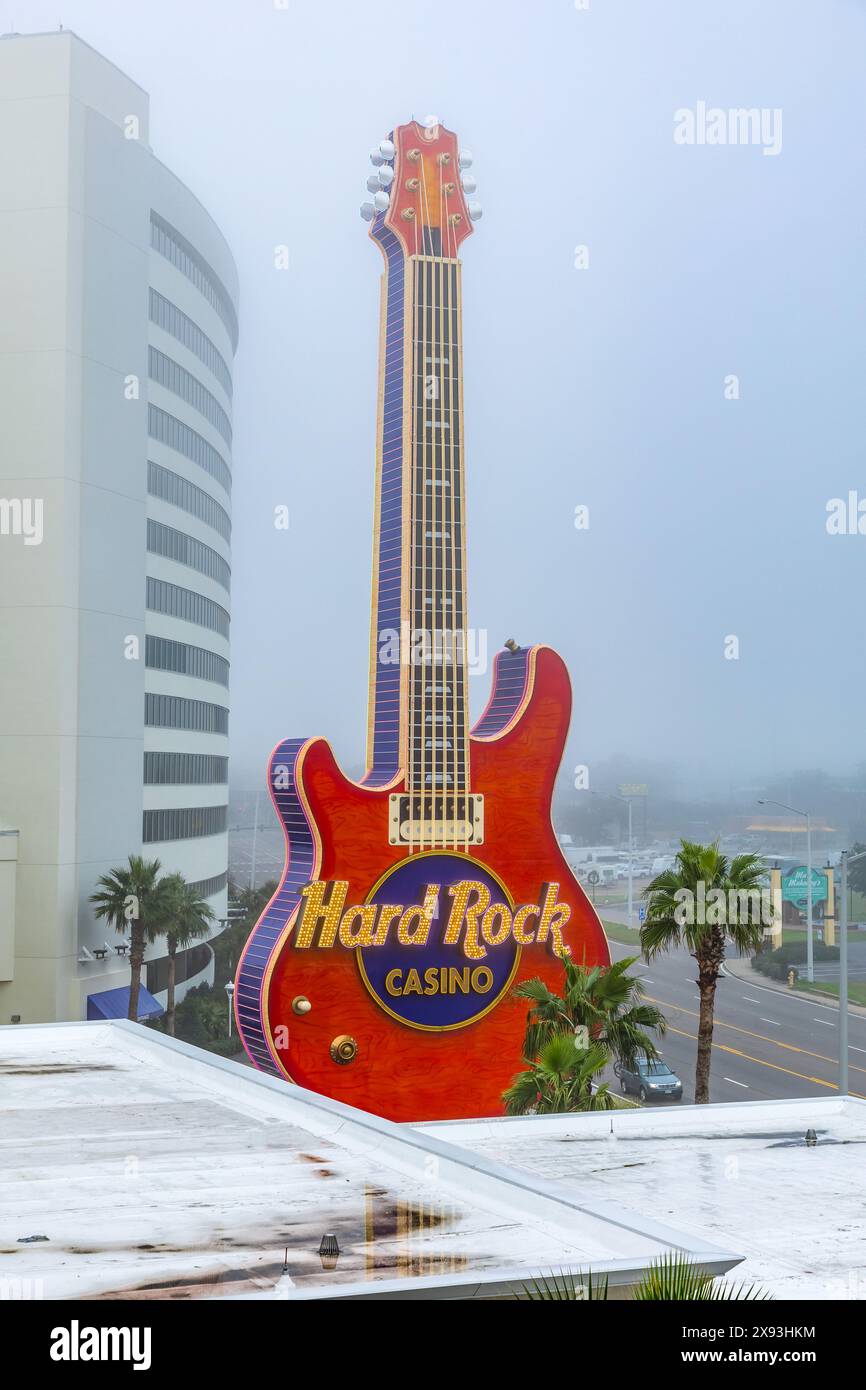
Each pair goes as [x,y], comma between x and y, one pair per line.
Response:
[735,1083]
[826,1022]
[856,1049]
[770,1020]
[750,999]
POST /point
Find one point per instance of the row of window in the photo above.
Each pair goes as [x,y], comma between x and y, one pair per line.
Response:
[208,887]
[187,964]
[163,654]
[184,823]
[172,320]
[175,712]
[169,242]
[186,604]
[168,430]
[176,378]
[186,550]
[184,769]
[180,492]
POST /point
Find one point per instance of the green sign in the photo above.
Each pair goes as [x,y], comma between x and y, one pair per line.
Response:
[795,887]
[633,789]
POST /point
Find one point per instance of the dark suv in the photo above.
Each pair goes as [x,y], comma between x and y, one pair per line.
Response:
[650,1080]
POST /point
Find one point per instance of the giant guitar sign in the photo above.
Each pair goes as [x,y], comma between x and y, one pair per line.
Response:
[381,972]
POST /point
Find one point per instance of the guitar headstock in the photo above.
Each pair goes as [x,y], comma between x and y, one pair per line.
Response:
[419,185]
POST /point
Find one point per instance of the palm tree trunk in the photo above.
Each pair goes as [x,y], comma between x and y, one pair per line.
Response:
[169,1001]
[136,960]
[707,987]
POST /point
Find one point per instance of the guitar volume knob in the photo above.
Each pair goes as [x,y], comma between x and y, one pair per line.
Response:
[344,1050]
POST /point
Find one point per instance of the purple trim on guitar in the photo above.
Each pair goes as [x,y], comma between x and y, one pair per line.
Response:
[261,943]
[386,692]
[510,677]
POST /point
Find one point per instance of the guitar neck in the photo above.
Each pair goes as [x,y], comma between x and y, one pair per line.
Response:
[418,707]
[438,752]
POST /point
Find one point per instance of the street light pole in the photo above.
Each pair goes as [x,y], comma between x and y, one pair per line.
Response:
[630,867]
[844,861]
[810,959]
[843,977]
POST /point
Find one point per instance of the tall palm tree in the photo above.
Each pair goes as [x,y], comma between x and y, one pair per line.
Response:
[184,917]
[699,904]
[607,1001]
[128,898]
[559,1079]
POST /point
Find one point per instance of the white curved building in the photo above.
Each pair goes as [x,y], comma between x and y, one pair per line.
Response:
[116,352]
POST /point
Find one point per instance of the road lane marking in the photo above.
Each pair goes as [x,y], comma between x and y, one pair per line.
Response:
[770,1020]
[732,1082]
[828,1023]
[789,1047]
[856,1049]
[750,999]
[801,1076]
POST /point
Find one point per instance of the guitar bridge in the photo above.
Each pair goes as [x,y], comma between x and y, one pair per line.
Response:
[447,818]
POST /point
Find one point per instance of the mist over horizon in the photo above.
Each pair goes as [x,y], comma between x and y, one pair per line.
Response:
[601,387]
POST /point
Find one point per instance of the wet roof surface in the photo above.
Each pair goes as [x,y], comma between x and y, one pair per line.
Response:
[156,1172]
[740,1174]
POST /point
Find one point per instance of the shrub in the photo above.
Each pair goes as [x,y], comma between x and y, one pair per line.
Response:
[776,964]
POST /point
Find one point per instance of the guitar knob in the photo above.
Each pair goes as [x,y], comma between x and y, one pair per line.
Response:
[301,1004]
[343,1050]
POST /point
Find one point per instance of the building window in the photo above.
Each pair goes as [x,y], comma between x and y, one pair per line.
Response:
[184,823]
[187,964]
[170,374]
[172,320]
[169,242]
[186,550]
[185,770]
[171,487]
[167,430]
[209,887]
[163,654]
[175,712]
[191,607]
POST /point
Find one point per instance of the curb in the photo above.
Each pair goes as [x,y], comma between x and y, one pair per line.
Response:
[740,969]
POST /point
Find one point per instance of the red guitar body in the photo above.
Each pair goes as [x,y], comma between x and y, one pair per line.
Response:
[317,1016]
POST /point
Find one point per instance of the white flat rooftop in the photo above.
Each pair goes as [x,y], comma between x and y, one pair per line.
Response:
[158,1171]
[737,1174]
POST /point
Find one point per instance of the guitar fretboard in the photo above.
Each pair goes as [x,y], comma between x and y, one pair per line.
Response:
[438,756]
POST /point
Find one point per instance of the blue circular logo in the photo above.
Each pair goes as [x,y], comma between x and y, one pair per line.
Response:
[436,986]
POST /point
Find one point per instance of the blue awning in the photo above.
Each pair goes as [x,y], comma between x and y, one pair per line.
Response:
[114,1003]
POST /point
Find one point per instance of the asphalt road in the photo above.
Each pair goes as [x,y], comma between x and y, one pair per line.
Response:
[766,1045]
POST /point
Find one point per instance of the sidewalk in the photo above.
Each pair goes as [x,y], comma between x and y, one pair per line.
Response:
[740,967]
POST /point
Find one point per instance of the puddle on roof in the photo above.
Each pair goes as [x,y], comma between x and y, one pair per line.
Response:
[383,1235]
[53,1068]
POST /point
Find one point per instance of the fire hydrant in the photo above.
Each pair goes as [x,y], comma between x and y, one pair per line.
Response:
[792,977]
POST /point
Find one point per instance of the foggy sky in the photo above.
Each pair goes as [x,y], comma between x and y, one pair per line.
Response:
[602,387]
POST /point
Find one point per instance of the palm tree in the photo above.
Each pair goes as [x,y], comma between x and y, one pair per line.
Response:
[699,904]
[183,917]
[127,898]
[607,1001]
[560,1079]
[672,1278]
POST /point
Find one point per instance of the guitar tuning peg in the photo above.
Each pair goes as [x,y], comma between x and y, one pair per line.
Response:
[373,184]
[368,212]
[469,183]
[381,201]
[385,176]
[475,211]
[386,150]
[376,158]
[464,159]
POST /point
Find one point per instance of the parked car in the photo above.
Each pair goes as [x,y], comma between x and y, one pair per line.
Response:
[650,1080]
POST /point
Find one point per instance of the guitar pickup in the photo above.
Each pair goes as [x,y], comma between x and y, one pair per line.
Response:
[444,819]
